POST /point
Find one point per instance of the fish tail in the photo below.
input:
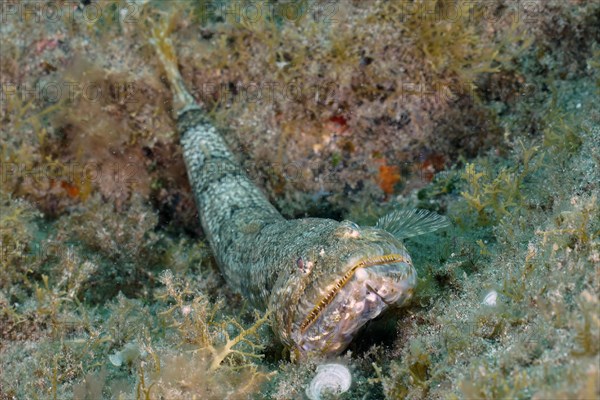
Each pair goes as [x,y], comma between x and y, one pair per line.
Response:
[231,207]
[183,101]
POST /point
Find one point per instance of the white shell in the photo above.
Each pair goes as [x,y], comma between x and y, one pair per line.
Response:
[129,354]
[330,378]
[491,298]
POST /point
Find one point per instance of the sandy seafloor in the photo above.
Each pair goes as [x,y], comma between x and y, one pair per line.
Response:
[484,111]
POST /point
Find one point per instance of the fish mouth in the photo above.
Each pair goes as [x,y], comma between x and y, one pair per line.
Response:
[367,288]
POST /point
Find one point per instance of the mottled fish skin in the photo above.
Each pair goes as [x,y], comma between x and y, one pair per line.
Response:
[233,211]
[321,279]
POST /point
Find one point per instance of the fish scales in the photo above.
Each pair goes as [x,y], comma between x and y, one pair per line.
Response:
[227,201]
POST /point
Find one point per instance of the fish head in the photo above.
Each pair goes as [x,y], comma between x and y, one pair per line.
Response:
[342,281]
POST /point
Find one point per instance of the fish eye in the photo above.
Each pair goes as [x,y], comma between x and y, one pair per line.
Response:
[350,224]
[348,229]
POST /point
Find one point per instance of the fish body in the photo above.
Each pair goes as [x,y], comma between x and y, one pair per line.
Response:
[322,279]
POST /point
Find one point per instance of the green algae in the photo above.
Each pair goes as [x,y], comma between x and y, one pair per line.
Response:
[525,214]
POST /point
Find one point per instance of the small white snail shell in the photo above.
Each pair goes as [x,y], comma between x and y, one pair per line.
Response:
[330,378]
[491,298]
[128,355]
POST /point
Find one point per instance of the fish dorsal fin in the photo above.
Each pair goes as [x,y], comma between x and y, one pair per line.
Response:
[412,222]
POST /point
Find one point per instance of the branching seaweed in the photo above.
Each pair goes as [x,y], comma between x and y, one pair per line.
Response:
[494,195]
[198,324]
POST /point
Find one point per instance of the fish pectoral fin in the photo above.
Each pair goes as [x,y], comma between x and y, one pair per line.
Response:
[408,223]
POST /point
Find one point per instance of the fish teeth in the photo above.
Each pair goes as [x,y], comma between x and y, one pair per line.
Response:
[358,307]
[361,274]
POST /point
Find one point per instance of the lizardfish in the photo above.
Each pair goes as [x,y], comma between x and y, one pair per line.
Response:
[321,279]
